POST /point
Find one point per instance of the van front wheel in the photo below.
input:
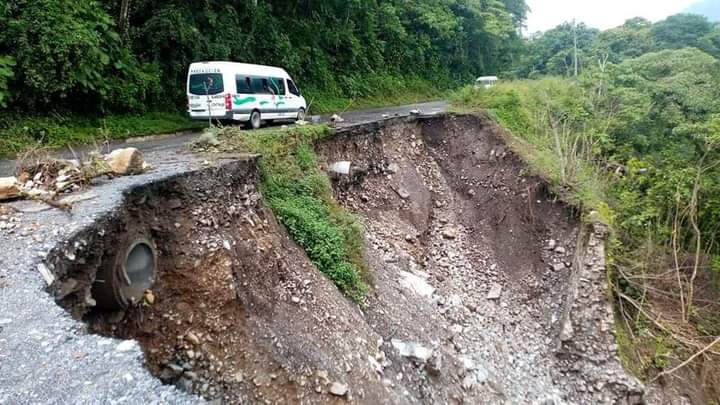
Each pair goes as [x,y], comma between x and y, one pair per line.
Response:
[255,120]
[301,114]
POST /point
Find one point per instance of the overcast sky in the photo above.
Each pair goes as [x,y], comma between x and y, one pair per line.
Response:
[603,14]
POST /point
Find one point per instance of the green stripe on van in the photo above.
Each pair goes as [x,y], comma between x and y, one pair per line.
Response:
[240,101]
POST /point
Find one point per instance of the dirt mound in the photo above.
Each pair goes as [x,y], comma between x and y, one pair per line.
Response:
[484,290]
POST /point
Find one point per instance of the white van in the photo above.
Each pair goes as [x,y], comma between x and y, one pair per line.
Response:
[486,82]
[243,92]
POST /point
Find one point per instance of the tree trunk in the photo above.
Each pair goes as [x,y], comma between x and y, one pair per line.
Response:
[124,18]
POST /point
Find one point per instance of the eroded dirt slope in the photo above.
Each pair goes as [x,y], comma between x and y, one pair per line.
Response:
[239,314]
[474,259]
[484,289]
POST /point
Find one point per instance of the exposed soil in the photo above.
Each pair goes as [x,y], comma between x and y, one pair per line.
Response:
[446,201]
[239,313]
[484,289]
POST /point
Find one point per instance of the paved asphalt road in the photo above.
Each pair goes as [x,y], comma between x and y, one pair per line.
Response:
[160,143]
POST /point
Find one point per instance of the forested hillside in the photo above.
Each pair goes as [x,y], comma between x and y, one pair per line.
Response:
[553,52]
[133,55]
[624,122]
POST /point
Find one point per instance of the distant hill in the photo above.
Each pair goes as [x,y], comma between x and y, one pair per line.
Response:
[708,8]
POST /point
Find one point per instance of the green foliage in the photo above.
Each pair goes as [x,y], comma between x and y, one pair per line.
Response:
[300,195]
[681,31]
[6,73]
[630,40]
[373,91]
[648,164]
[71,56]
[552,53]
[655,117]
[710,43]
[665,132]
[68,51]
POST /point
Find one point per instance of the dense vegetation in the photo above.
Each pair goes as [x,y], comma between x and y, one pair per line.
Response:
[65,60]
[635,140]
[131,55]
[552,52]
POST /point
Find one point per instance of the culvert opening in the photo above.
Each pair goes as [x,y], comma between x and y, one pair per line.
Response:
[127,276]
[164,269]
[458,237]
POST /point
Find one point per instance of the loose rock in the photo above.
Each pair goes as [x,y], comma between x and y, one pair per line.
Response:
[412,350]
[449,233]
[192,338]
[339,389]
[416,284]
[126,161]
[558,266]
[8,188]
[126,346]
[495,292]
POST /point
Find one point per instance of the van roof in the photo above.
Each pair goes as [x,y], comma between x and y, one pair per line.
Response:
[482,78]
[245,67]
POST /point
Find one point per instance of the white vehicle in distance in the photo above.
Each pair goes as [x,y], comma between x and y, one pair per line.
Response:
[485,82]
[243,92]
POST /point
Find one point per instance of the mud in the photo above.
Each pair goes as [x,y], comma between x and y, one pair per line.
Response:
[473,262]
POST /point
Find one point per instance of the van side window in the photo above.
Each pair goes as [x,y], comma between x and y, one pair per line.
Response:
[243,85]
[257,85]
[277,86]
[293,89]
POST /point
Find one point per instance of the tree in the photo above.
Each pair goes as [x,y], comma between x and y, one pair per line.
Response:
[553,51]
[710,43]
[115,52]
[67,52]
[630,40]
[681,31]
[6,73]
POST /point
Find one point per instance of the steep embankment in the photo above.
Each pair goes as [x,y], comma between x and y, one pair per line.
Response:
[473,258]
[484,289]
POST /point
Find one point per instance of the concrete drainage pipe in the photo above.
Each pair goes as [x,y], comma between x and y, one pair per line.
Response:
[125,275]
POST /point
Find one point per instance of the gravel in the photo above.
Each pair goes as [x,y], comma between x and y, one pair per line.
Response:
[45,355]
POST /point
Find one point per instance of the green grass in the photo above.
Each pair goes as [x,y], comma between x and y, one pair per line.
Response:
[375,91]
[300,196]
[19,134]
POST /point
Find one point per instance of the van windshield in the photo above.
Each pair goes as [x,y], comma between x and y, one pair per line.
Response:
[206,83]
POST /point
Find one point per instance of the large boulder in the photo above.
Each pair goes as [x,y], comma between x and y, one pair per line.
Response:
[126,161]
[9,188]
